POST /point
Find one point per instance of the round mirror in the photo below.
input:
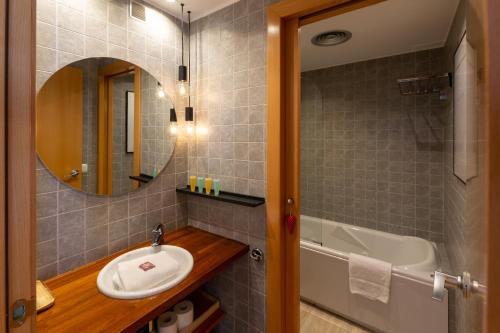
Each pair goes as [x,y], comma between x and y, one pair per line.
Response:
[102,126]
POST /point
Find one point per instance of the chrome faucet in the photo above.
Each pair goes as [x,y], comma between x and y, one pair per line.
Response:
[157,235]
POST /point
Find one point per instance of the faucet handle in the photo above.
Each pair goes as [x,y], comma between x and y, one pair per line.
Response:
[157,235]
[158,229]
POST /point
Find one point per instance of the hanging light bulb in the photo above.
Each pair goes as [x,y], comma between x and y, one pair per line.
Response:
[182,87]
[173,129]
[160,92]
[183,71]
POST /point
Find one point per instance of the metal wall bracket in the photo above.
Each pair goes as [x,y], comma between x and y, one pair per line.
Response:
[257,254]
[463,282]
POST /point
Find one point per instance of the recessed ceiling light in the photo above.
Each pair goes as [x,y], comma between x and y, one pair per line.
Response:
[171,1]
[330,38]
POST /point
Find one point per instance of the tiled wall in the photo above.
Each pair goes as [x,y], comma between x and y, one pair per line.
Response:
[75,228]
[157,144]
[464,207]
[230,97]
[455,190]
[241,287]
[123,163]
[229,88]
[229,53]
[371,156]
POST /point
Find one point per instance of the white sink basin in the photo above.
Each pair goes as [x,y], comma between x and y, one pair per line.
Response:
[105,277]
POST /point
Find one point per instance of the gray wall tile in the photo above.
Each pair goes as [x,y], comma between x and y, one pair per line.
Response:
[76,228]
[360,139]
[232,109]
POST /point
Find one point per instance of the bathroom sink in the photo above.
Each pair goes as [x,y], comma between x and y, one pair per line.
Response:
[105,278]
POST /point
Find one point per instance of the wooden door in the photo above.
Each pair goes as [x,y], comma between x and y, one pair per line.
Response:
[59,124]
[483,229]
[492,20]
[17,179]
[3,246]
[483,30]
[105,121]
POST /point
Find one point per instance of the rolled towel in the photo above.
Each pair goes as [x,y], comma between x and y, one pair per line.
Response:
[146,272]
[370,277]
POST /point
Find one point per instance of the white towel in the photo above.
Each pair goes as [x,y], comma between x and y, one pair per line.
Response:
[145,272]
[370,277]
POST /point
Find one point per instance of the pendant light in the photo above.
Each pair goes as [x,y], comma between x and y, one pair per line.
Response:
[159,90]
[182,83]
[189,113]
[173,121]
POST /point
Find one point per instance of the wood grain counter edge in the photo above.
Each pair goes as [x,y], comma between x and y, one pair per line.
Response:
[79,305]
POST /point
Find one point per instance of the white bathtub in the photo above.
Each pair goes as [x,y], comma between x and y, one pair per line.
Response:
[324,252]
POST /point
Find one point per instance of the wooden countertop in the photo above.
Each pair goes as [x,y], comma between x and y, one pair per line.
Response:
[80,307]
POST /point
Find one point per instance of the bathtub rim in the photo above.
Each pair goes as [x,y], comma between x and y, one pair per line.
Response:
[431,247]
[424,277]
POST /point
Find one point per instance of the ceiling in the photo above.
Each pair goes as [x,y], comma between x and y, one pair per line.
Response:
[198,8]
[388,28]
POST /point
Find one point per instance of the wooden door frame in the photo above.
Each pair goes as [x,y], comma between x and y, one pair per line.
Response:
[283,91]
[105,121]
[3,248]
[18,160]
[283,154]
[492,47]
[137,124]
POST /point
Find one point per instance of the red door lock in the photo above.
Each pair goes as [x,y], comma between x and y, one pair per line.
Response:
[291,220]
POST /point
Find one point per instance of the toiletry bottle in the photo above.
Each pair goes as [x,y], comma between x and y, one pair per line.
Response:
[192,183]
[208,185]
[216,186]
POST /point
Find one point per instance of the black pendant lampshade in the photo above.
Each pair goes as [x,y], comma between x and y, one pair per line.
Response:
[189,113]
[183,73]
[173,116]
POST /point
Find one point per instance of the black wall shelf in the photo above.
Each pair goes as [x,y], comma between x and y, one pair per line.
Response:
[235,198]
[143,178]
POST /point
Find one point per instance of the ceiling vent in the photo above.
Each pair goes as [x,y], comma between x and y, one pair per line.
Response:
[331,38]
[137,10]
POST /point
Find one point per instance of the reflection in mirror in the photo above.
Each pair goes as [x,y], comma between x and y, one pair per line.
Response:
[103,126]
[465,120]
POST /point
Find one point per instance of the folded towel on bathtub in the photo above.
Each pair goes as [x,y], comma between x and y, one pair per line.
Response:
[369,277]
[145,272]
